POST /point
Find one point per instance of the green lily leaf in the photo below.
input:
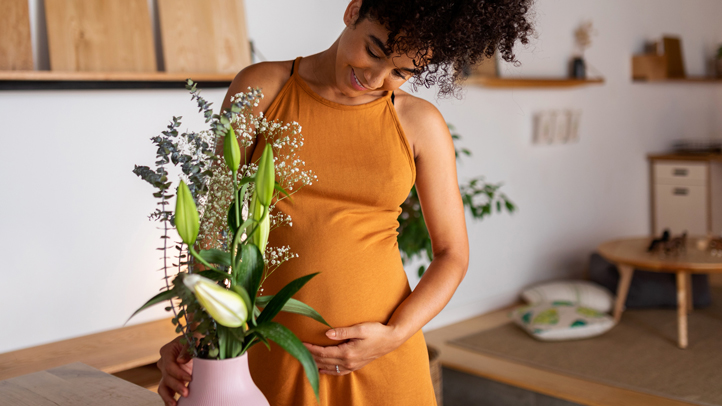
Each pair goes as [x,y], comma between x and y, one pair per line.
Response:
[243,294]
[294,306]
[160,297]
[249,272]
[279,300]
[213,275]
[247,179]
[291,344]
[216,256]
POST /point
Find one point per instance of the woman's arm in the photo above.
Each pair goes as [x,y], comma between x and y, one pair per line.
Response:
[438,189]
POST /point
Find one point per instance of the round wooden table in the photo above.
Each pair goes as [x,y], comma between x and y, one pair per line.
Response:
[630,253]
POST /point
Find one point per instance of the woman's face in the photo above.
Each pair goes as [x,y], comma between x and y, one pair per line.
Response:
[363,64]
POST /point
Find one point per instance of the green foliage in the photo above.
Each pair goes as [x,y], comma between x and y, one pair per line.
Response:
[294,306]
[413,238]
[289,342]
[240,265]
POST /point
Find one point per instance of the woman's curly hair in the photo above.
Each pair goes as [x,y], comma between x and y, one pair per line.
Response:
[456,33]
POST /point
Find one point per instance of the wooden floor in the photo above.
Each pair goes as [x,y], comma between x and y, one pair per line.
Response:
[553,384]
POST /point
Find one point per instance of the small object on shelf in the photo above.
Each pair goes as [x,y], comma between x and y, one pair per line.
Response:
[578,69]
[698,146]
[583,39]
[16,51]
[661,60]
[649,67]
[673,52]
[714,246]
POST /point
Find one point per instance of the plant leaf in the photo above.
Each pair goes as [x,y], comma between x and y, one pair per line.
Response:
[291,344]
[216,256]
[244,295]
[249,271]
[280,299]
[216,276]
[160,297]
[282,190]
[294,306]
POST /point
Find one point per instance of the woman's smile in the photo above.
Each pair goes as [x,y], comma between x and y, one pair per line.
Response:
[356,83]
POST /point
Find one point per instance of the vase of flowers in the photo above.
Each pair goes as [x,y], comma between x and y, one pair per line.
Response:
[222,382]
[223,216]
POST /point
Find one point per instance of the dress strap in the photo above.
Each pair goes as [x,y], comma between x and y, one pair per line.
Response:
[294,64]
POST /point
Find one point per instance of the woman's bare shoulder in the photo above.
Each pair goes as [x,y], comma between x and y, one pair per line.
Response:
[422,122]
[268,76]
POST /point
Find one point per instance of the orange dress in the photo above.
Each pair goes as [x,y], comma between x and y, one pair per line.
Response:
[344,226]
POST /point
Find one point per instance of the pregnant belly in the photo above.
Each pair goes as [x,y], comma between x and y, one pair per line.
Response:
[351,288]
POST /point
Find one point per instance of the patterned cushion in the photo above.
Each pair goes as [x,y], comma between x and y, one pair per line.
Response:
[561,320]
[583,293]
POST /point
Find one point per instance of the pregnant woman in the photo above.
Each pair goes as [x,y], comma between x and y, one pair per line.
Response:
[369,143]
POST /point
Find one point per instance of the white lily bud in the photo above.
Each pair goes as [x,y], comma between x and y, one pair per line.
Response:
[225,306]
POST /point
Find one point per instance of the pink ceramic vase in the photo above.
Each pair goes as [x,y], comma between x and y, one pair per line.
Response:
[222,383]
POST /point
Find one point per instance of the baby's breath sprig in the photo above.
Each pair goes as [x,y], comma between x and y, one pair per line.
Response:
[286,140]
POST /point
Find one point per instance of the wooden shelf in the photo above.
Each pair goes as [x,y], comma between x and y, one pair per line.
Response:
[699,79]
[498,82]
[17,80]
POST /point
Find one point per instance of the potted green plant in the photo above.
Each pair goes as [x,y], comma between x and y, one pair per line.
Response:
[413,238]
[214,292]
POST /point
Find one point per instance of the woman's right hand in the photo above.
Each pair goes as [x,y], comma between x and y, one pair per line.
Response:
[176,367]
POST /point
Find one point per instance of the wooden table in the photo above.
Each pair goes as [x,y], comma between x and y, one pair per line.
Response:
[630,253]
[74,384]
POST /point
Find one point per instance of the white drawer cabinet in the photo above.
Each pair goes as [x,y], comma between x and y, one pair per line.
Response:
[686,195]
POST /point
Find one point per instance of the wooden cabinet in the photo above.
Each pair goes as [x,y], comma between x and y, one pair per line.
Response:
[686,194]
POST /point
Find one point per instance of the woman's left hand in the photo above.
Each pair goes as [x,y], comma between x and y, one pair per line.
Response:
[364,343]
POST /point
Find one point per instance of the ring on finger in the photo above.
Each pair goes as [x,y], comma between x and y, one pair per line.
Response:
[337,370]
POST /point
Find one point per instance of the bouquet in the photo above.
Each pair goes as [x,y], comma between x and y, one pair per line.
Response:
[214,292]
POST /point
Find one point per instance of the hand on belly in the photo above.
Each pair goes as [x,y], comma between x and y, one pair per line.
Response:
[359,345]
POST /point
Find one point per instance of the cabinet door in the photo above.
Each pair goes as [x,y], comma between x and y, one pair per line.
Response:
[681,208]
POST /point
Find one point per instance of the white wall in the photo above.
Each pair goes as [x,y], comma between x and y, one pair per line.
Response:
[78,254]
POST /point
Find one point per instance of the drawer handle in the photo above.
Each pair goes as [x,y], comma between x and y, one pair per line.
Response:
[680,172]
[680,191]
